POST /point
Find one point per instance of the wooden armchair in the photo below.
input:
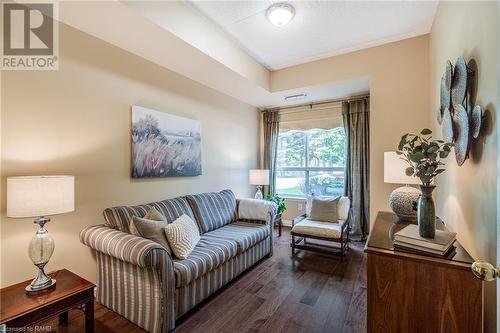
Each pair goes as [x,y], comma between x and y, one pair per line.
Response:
[337,233]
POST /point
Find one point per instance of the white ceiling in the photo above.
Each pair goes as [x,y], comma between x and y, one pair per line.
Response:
[319,29]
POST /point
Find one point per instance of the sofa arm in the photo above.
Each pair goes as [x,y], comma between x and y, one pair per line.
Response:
[123,246]
[257,210]
[141,262]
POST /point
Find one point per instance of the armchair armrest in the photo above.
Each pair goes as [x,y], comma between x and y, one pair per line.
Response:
[298,219]
[123,246]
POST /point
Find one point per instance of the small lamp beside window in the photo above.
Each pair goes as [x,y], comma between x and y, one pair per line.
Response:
[259,177]
[401,199]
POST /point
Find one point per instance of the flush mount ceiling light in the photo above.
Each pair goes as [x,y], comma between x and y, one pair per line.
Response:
[280,14]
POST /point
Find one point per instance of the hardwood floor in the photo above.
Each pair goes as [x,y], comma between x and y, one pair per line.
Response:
[312,293]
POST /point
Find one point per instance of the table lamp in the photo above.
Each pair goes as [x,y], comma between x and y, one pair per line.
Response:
[259,177]
[40,196]
[401,199]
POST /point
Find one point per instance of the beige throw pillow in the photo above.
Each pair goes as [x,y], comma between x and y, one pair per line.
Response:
[324,210]
[182,236]
[151,229]
[152,214]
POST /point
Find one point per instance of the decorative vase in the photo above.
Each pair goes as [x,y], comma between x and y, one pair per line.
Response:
[426,212]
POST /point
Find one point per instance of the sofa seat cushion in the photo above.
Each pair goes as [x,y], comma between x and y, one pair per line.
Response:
[208,254]
[245,234]
[120,217]
[318,228]
[213,210]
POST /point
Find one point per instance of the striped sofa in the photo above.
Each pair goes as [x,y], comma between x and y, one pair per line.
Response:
[142,281]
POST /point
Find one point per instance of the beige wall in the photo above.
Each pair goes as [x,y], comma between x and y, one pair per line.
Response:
[398,74]
[466,196]
[77,121]
[294,208]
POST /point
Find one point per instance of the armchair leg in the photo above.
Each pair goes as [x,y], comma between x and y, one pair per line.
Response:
[348,237]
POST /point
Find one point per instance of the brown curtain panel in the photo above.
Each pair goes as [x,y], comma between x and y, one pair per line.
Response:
[271,129]
[356,118]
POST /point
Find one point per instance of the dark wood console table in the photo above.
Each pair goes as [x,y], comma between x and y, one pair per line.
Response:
[19,310]
[417,293]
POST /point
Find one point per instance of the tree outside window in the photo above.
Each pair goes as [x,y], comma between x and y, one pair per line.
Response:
[311,162]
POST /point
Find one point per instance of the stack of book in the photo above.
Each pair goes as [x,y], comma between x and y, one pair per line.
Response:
[408,239]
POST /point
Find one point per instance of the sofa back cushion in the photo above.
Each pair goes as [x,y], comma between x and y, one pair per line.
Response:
[213,210]
[120,217]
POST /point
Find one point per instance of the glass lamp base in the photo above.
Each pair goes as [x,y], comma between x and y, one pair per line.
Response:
[33,289]
[258,194]
[40,250]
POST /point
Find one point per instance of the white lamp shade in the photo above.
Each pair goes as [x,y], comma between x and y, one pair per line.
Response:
[34,196]
[394,170]
[259,177]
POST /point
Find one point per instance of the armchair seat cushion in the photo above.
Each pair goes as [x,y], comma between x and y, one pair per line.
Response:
[245,234]
[208,254]
[319,228]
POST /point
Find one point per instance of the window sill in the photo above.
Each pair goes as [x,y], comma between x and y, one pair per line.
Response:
[293,198]
[302,198]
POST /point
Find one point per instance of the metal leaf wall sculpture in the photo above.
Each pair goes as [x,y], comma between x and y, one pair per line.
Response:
[461,120]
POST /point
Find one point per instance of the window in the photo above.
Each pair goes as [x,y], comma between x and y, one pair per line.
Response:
[311,162]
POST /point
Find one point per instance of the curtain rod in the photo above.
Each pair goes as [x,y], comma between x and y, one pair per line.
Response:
[339,100]
[318,107]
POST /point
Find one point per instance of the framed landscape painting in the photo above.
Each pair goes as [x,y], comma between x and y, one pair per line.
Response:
[164,145]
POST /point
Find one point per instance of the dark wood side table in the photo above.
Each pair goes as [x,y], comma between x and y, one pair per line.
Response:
[410,292]
[19,310]
[278,219]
